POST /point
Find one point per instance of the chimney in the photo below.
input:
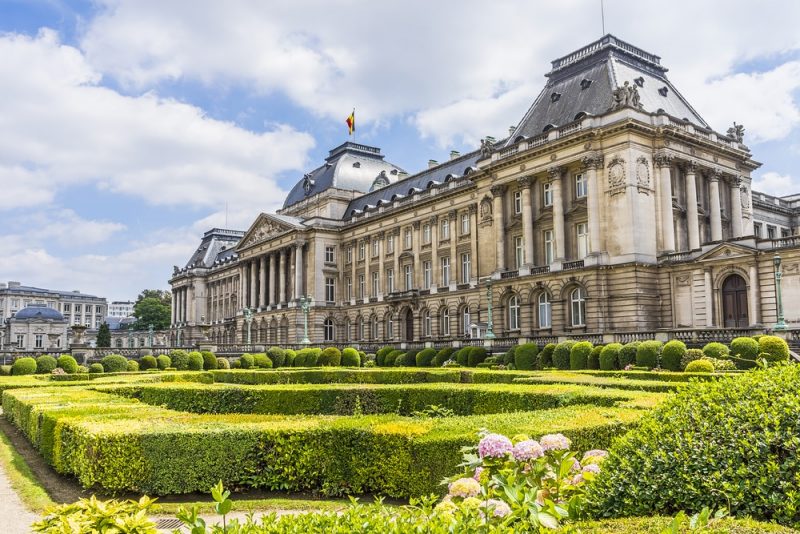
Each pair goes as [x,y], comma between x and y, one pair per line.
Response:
[490,139]
[511,130]
[2,285]
[13,284]
[432,163]
[454,154]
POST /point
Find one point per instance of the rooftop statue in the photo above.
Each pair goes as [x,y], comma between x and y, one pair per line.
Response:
[736,132]
[626,96]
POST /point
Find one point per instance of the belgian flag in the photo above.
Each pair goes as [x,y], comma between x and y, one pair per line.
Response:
[351,122]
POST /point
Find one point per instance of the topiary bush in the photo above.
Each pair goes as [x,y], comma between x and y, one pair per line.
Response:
[579,355]
[723,444]
[277,355]
[627,354]
[594,357]
[351,357]
[96,368]
[691,355]
[23,366]
[311,356]
[744,352]
[391,357]
[476,355]
[442,356]
[462,356]
[509,356]
[148,362]
[114,363]
[5,370]
[180,359]
[209,360]
[411,358]
[525,356]
[776,348]
[672,354]
[561,354]
[133,366]
[716,350]
[700,366]
[247,361]
[647,354]
[545,359]
[223,363]
[288,357]
[425,357]
[195,361]
[45,364]
[164,361]
[400,361]
[262,361]
[68,363]
[380,356]
[609,357]
[330,357]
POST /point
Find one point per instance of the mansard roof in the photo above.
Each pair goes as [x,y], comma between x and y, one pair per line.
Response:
[217,243]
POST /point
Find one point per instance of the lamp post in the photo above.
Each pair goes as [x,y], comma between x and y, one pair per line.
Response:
[130,336]
[781,324]
[305,302]
[248,318]
[150,336]
[178,334]
[489,323]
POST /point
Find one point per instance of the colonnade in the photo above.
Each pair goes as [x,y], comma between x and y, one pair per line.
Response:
[274,278]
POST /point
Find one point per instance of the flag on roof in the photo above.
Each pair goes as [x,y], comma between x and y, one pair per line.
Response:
[351,122]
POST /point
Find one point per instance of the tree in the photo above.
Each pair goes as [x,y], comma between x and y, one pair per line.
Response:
[151,311]
[104,336]
[160,294]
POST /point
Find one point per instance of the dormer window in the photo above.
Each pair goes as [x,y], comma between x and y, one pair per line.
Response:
[357,165]
[585,83]
[554,97]
[639,81]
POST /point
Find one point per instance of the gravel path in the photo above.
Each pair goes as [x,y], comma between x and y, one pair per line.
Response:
[14,517]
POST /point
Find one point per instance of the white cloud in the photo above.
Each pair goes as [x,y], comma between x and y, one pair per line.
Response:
[66,227]
[776,184]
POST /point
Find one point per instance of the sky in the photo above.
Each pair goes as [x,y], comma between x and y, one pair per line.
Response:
[130,127]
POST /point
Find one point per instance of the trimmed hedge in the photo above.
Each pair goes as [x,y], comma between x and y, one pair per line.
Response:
[195,361]
[45,364]
[425,357]
[164,361]
[247,361]
[223,363]
[262,361]
[462,356]
[442,356]
[546,356]
[97,368]
[648,353]
[671,355]
[744,352]
[68,363]
[691,355]
[579,355]
[561,354]
[330,357]
[288,357]
[410,359]
[179,359]
[23,366]
[133,366]
[627,354]
[390,358]
[594,358]
[700,366]
[114,363]
[380,356]
[609,356]
[525,356]
[776,349]
[148,362]
[716,350]
[209,360]
[476,355]
[277,356]
[351,357]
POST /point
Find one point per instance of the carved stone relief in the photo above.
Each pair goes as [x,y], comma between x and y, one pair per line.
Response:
[642,172]
[616,175]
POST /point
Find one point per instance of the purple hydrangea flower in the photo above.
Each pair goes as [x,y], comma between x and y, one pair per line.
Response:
[553,442]
[477,475]
[527,450]
[494,446]
[591,468]
[499,508]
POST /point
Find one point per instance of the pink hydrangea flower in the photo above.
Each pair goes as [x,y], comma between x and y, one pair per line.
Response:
[591,468]
[477,475]
[499,508]
[527,450]
[464,487]
[577,479]
[576,465]
[553,442]
[595,453]
[494,446]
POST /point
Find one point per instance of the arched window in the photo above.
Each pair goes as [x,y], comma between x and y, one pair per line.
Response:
[374,328]
[328,330]
[389,327]
[426,323]
[578,304]
[466,320]
[513,313]
[445,322]
[545,311]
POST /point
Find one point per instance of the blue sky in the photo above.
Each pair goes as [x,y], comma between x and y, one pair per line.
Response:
[126,126]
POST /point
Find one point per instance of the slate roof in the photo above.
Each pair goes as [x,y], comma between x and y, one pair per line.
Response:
[216,244]
[583,82]
[46,292]
[38,312]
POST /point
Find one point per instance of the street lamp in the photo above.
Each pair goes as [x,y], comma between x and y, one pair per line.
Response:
[130,336]
[489,323]
[150,336]
[178,334]
[305,302]
[781,324]
[248,318]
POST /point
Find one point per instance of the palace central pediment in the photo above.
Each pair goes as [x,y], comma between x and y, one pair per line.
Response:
[727,251]
[265,228]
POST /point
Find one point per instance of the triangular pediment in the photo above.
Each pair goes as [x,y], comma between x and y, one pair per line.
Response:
[725,251]
[264,228]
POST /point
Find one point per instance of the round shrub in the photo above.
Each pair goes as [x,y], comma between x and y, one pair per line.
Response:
[223,363]
[277,355]
[114,363]
[627,354]
[262,361]
[380,356]
[45,364]
[400,361]
[23,366]
[299,359]
[476,355]
[67,363]
[312,356]
[180,359]
[671,355]
[148,362]
[609,357]
[351,358]
[133,366]
[744,352]
[579,355]
[594,357]
[525,356]
[721,443]
[721,365]
[195,361]
[462,356]
[775,347]
[330,357]
[5,370]
[442,356]
[561,354]
[96,368]
[716,350]
[691,355]
[391,357]
[425,357]
[164,362]
[545,359]
[82,370]
[288,357]
[700,366]
[247,361]
[647,354]
[236,364]
[209,360]
[411,358]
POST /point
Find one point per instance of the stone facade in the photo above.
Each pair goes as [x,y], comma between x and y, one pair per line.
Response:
[76,307]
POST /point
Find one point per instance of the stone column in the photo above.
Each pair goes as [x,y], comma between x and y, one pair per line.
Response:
[367,259]
[716,208]
[527,218]
[416,246]
[253,282]
[558,212]
[298,269]
[473,242]
[736,209]
[273,275]
[753,296]
[434,222]
[664,165]
[455,231]
[262,281]
[691,206]
[353,279]
[709,298]
[173,310]
[396,266]
[592,163]
[242,285]
[380,237]
[498,191]
[282,278]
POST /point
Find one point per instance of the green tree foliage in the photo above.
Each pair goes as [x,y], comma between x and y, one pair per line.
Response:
[151,311]
[104,336]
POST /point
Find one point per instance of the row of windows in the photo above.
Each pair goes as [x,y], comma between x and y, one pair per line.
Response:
[38,341]
[772,231]
[577,318]
[581,191]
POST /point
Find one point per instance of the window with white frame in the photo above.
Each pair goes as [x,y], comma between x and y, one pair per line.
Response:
[390,280]
[757,229]
[374,327]
[330,257]
[426,323]
[547,194]
[578,306]
[770,232]
[409,277]
[362,250]
[350,254]
[464,223]
[445,326]
[20,340]
[389,326]
[408,240]
[390,244]
[328,330]
[375,247]
[361,286]
[517,202]
[465,320]
[548,247]
[519,252]
[445,270]
[581,186]
[330,290]
[375,283]
[426,233]
[38,341]
[349,288]
[466,267]
[445,228]
[545,311]
[426,275]
[513,313]
[582,239]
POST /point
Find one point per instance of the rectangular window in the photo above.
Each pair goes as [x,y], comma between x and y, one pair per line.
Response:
[66,306]
[375,285]
[517,202]
[350,254]
[582,240]
[466,268]
[409,276]
[770,232]
[426,233]
[445,270]
[362,250]
[390,280]
[784,232]
[408,241]
[349,288]
[426,275]
[38,340]
[548,247]
[757,229]
[519,252]
[329,255]
[464,223]
[547,194]
[21,340]
[375,246]
[390,244]
[445,228]
[361,286]
[330,290]
[77,308]
[427,324]
[581,186]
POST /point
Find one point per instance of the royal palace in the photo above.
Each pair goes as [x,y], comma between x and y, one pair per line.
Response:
[611,208]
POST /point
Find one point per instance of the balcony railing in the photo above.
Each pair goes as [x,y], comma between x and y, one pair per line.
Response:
[571,265]
[544,269]
[509,274]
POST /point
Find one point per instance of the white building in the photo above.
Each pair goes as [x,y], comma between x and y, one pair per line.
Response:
[76,307]
[121,308]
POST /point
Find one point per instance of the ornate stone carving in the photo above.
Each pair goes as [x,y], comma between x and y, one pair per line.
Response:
[736,132]
[487,147]
[308,183]
[264,231]
[744,194]
[453,213]
[415,225]
[626,96]
[616,173]
[486,208]
[691,167]
[473,208]
[434,219]
[497,190]
[663,159]
[642,172]
[555,172]
[592,161]
[714,175]
[524,181]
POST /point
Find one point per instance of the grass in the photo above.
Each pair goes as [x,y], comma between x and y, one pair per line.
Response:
[22,479]
[243,504]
